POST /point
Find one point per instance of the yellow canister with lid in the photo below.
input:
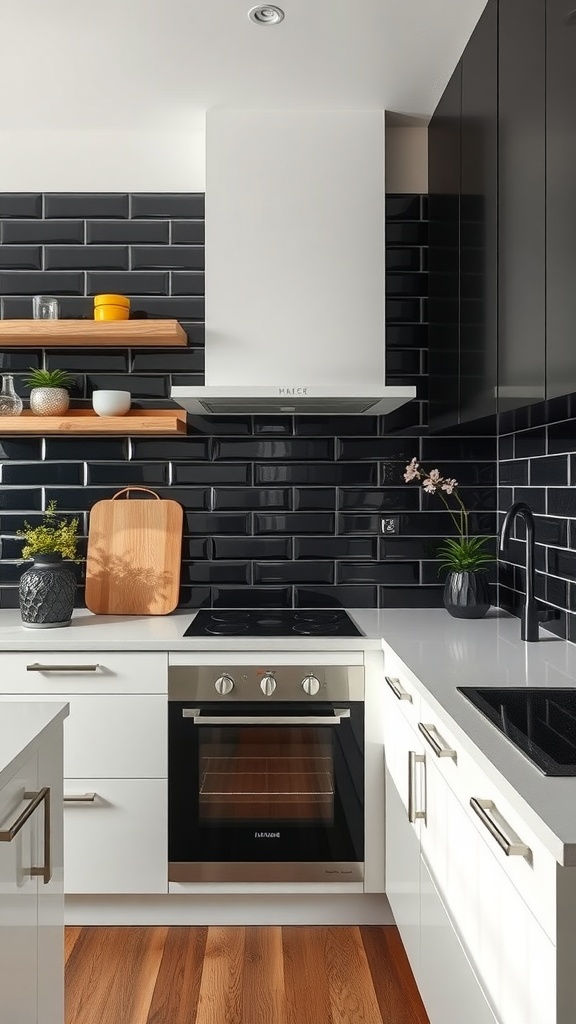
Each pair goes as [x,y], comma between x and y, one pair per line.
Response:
[111,307]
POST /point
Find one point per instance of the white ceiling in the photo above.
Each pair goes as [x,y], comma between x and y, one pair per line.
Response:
[123,64]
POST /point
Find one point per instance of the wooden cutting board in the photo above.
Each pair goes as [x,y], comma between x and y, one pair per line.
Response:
[133,559]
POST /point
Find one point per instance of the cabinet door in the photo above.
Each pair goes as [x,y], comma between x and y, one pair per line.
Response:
[479,220]
[444,256]
[19,903]
[560,197]
[402,837]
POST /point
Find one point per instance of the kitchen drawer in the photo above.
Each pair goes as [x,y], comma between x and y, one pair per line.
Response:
[111,736]
[533,875]
[117,842]
[396,680]
[84,672]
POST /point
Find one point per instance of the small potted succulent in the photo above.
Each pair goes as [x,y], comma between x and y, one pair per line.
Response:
[48,587]
[49,395]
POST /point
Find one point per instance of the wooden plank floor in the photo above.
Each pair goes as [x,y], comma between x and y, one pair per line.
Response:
[253,975]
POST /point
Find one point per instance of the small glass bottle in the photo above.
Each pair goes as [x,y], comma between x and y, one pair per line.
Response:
[10,403]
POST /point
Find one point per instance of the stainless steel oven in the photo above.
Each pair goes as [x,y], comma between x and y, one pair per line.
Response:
[266,773]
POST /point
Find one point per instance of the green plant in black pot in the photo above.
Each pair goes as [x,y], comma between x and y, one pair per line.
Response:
[47,589]
[49,395]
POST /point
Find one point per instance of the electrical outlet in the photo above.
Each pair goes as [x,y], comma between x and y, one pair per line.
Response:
[390,525]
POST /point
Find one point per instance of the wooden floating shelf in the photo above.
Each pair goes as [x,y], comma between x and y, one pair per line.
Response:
[85,421]
[93,333]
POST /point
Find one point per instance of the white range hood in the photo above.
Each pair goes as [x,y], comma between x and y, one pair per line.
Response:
[295,265]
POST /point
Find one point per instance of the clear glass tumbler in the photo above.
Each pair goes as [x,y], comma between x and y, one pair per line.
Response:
[45,307]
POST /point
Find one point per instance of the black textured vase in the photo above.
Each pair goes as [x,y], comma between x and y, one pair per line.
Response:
[47,592]
[467,595]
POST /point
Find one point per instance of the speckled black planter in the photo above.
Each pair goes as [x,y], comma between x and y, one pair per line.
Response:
[47,591]
[467,595]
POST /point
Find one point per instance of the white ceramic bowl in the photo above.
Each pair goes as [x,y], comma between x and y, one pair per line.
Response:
[111,403]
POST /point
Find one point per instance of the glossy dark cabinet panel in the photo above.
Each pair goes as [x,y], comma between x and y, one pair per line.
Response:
[560,197]
[522,213]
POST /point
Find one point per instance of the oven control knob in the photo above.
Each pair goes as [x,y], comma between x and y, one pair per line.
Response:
[224,684]
[310,685]
[268,684]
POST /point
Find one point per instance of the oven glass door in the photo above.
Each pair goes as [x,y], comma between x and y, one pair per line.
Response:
[267,784]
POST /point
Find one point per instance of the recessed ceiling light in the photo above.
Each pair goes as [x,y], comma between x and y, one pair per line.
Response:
[265,14]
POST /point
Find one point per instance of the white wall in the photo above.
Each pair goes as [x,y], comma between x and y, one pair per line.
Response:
[102,161]
[406,159]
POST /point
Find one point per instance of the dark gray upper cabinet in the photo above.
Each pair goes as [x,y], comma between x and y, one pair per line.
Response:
[444,255]
[479,220]
[560,197]
[463,180]
[522,202]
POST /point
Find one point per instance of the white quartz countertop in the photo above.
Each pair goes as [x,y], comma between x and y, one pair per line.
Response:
[22,728]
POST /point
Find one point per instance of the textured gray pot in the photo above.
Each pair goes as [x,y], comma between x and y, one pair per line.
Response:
[47,592]
[467,595]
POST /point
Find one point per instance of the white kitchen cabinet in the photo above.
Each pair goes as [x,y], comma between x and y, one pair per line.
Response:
[31,904]
[116,834]
[72,672]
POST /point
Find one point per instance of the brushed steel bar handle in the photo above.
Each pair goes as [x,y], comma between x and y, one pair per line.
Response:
[435,741]
[199,719]
[413,760]
[37,667]
[397,690]
[511,847]
[10,833]
[79,798]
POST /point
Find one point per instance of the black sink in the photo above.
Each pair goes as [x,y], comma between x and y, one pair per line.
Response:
[539,721]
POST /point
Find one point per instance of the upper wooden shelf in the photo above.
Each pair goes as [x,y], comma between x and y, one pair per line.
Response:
[85,421]
[93,333]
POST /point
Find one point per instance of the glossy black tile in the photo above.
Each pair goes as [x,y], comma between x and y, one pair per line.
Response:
[13,362]
[390,499]
[189,307]
[562,437]
[252,597]
[11,547]
[217,572]
[191,498]
[408,335]
[220,522]
[167,257]
[82,361]
[335,547]
[17,282]
[336,597]
[21,308]
[84,257]
[170,448]
[242,498]
[42,232]
[403,362]
[37,473]
[561,501]
[208,473]
[10,572]
[215,425]
[402,207]
[506,447]
[196,334]
[185,282]
[557,592]
[513,473]
[317,474]
[277,426]
[188,232]
[123,473]
[411,597]
[462,449]
[194,597]
[293,572]
[347,524]
[20,257]
[295,522]
[169,205]
[535,497]
[267,448]
[128,283]
[197,547]
[310,499]
[20,449]
[252,547]
[406,233]
[530,442]
[406,284]
[402,310]
[550,471]
[20,204]
[562,563]
[23,499]
[440,524]
[312,426]
[156,386]
[400,449]
[102,449]
[86,205]
[403,259]
[375,572]
[408,547]
[118,232]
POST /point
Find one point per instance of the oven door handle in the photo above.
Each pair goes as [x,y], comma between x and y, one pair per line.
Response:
[199,719]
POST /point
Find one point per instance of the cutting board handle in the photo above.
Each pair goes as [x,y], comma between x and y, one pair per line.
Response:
[126,489]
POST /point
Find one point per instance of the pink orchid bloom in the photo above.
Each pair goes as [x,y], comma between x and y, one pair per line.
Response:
[412,471]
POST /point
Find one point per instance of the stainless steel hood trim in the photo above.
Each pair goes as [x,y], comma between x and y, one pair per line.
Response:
[266,871]
[323,401]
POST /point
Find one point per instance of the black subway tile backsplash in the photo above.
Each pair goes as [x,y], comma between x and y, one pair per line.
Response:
[168,257]
[48,282]
[170,205]
[87,205]
[20,204]
[83,257]
[20,257]
[127,232]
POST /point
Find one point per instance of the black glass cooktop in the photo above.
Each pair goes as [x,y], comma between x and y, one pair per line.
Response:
[272,623]
[541,722]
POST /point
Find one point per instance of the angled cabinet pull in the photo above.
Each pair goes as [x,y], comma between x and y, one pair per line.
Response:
[79,798]
[10,833]
[397,689]
[512,847]
[434,740]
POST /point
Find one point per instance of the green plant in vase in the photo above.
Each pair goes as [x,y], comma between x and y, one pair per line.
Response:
[49,395]
[52,536]
[47,589]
